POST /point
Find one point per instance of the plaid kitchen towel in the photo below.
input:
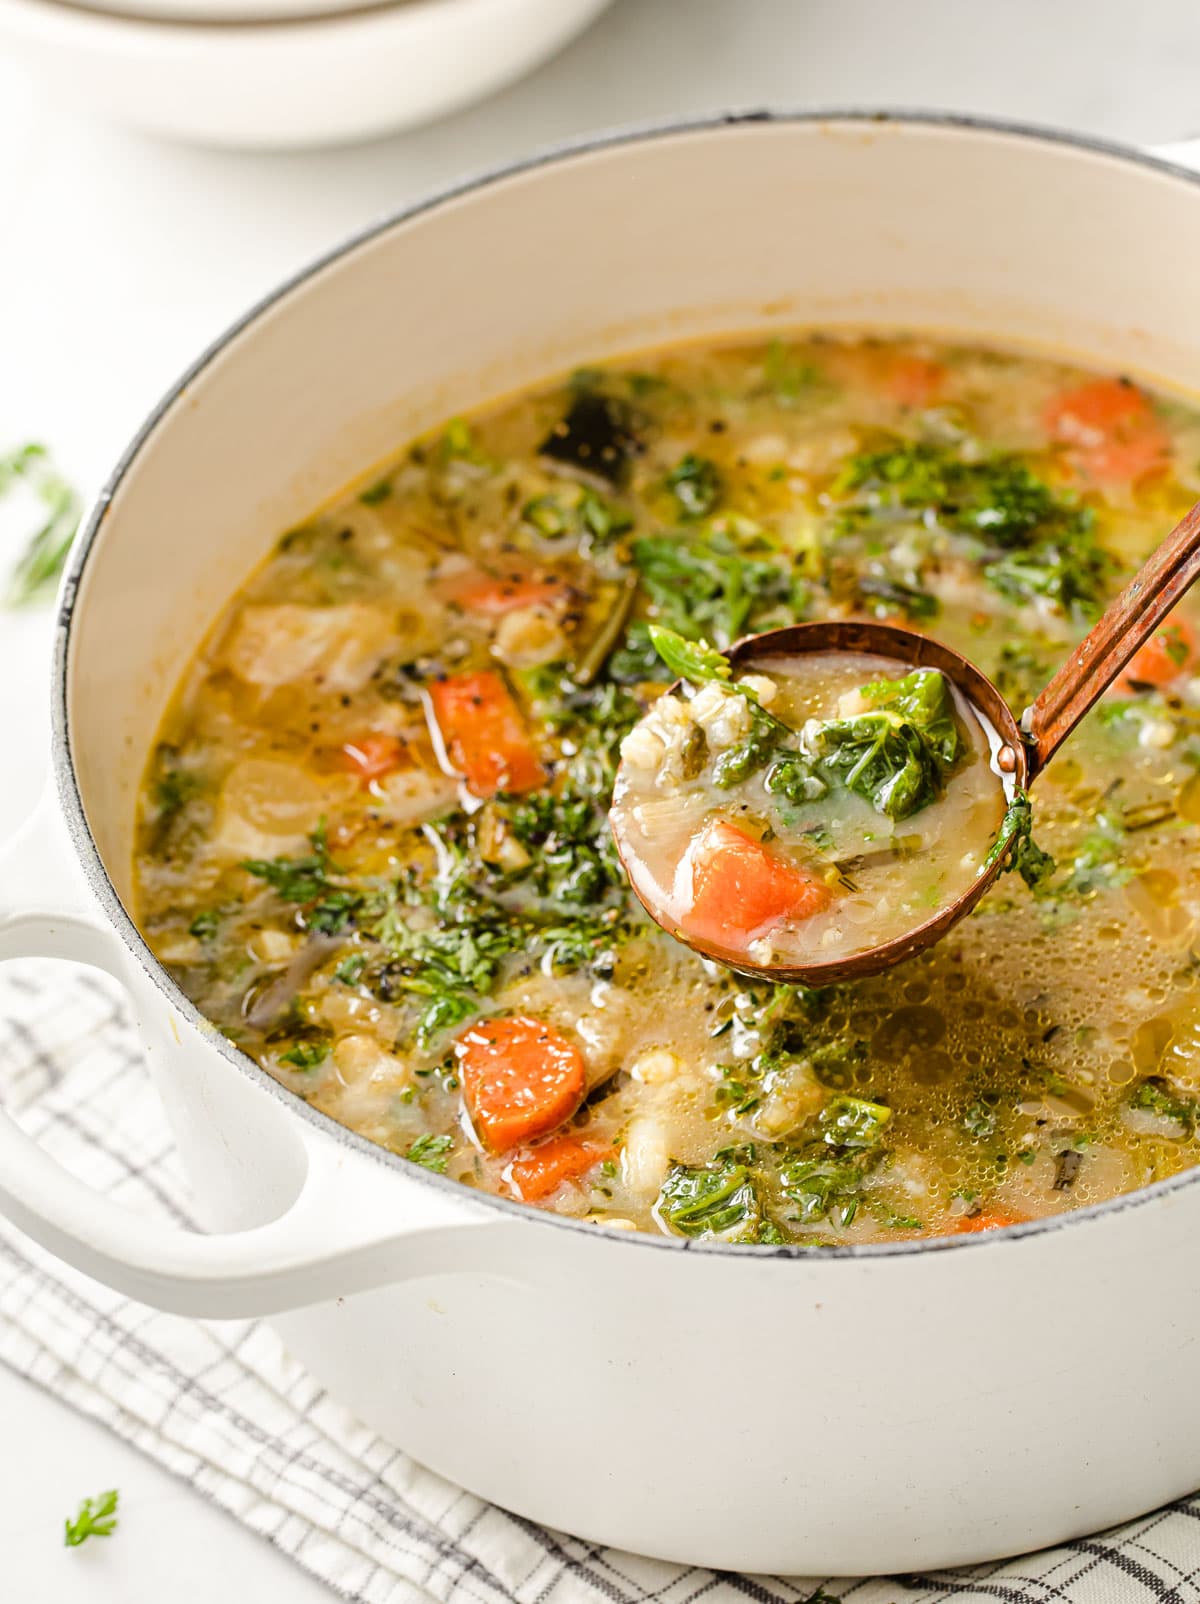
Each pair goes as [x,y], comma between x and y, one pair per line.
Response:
[225,1408]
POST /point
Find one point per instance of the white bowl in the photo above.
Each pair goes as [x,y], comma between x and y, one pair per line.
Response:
[321,80]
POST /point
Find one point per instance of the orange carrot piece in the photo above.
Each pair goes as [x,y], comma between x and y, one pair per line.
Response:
[914,381]
[1111,430]
[740,890]
[483,733]
[521,1079]
[988,1220]
[537,1171]
[497,594]
[373,755]
[1169,652]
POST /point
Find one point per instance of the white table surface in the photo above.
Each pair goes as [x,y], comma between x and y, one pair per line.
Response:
[121,258]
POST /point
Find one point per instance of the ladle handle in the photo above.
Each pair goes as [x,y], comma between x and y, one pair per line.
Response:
[1126,625]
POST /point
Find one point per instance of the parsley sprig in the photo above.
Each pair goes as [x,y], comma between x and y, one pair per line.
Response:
[97,1517]
[39,566]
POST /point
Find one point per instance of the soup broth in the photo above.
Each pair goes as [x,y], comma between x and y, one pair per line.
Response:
[373,843]
[810,810]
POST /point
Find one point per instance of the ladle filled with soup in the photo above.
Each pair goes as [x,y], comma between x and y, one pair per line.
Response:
[817,807]
[374,846]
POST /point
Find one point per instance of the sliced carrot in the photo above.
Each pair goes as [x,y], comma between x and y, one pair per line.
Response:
[1169,652]
[537,1171]
[914,381]
[521,1079]
[988,1220]
[485,738]
[1110,428]
[740,890]
[497,594]
[374,754]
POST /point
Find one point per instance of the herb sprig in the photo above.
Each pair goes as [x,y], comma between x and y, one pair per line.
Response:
[96,1517]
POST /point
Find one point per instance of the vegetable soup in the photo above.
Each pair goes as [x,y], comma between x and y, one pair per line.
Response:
[374,844]
[818,807]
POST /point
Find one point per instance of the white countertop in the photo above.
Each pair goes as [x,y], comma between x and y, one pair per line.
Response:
[120,259]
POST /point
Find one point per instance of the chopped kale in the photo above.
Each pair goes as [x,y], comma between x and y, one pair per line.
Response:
[826,1174]
[979,1118]
[1154,1095]
[296,879]
[711,586]
[852,1122]
[305,1054]
[718,1200]
[899,754]
[794,778]
[1097,865]
[924,699]
[1033,865]
[695,482]
[1073,573]
[760,747]
[998,499]
[585,515]
[825,1185]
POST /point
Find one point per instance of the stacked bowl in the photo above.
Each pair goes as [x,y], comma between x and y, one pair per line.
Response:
[274,74]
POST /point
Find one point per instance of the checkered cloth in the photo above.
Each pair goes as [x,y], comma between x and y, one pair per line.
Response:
[225,1408]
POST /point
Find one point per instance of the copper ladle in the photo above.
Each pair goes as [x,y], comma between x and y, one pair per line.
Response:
[1026,746]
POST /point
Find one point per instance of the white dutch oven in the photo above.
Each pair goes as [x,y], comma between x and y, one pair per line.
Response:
[861,1410]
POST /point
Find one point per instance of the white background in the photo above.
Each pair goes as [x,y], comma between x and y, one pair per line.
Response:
[120,259]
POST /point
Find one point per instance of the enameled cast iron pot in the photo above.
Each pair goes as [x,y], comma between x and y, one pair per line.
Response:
[872,1409]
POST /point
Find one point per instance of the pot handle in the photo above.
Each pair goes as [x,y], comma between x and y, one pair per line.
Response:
[339,1236]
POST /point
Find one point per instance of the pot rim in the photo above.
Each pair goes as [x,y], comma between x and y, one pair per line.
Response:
[71,801]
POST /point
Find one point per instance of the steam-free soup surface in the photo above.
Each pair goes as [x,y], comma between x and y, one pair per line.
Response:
[817,807]
[374,848]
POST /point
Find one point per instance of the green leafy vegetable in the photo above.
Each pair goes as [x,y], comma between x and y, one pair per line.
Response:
[327,908]
[852,1122]
[1016,830]
[898,755]
[580,512]
[1157,1096]
[787,378]
[1097,865]
[1072,573]
[717,1200]
[349,970]
[305,1055]
[431,1152]
[37,570]
[707,585]
[793,777]
[695,661]
[999,499]
[695,483]
[826,1175]
[97,1517]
